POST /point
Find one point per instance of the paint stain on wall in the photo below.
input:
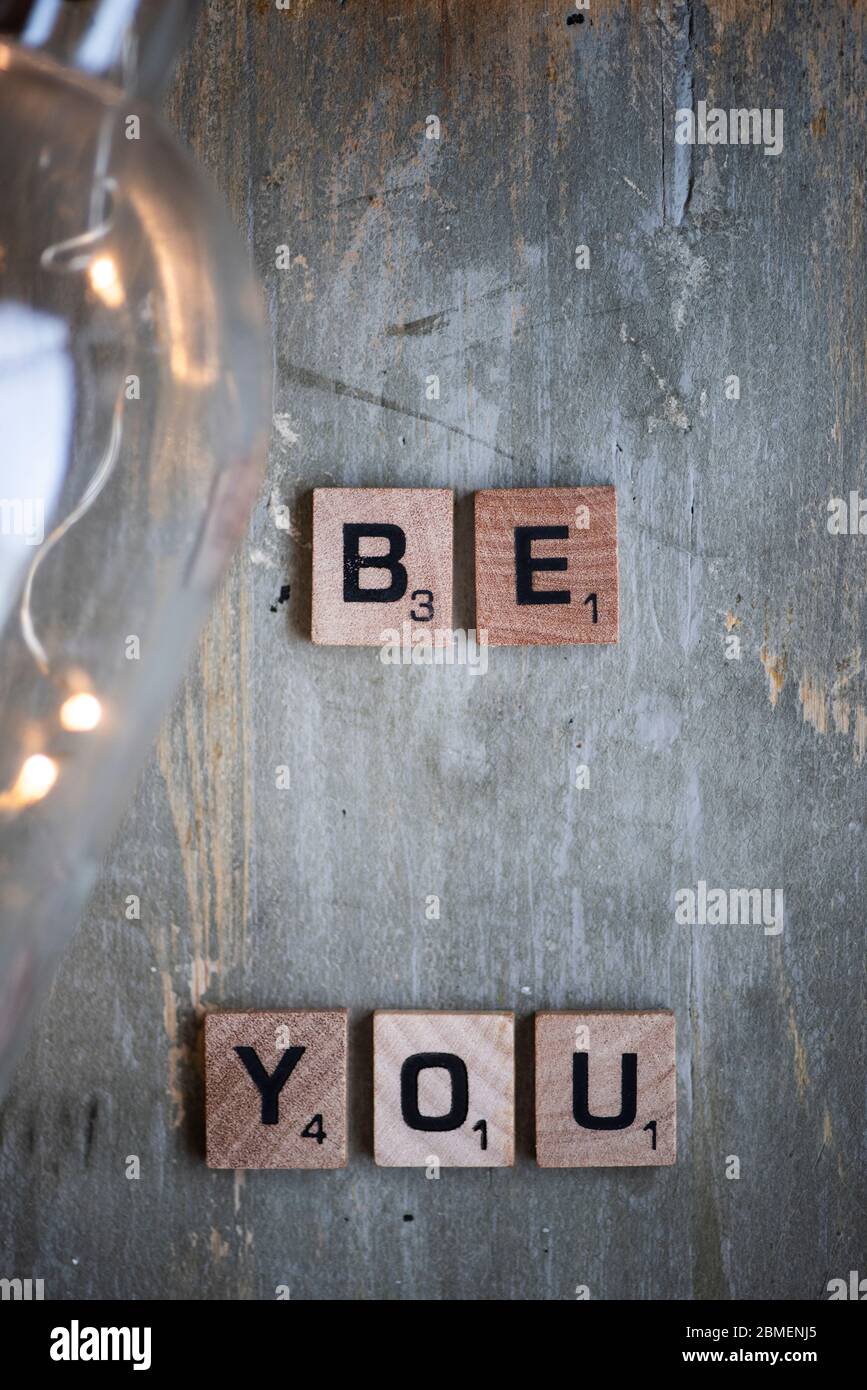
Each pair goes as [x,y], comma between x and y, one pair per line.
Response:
[833,708]
[177,1055]
[775,670]
[219,1247]
[814,703]
[802,1075]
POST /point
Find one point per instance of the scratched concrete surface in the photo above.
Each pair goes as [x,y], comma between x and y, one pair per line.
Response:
[411,257]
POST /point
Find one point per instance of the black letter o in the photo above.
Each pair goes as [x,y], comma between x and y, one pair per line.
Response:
[409,1074]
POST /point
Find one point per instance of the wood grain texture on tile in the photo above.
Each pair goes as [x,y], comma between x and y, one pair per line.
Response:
[546,565]
[275,1089]
[606,1089]
[382,557]
[444,1088]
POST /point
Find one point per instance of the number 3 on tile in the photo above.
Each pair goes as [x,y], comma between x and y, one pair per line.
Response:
[426,604]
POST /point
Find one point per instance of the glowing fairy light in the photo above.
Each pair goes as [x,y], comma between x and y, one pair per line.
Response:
[80,713]
[35,780]
[105,281]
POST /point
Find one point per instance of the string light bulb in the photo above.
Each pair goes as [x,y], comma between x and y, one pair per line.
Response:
[81,713]
[35,780]
[105,280]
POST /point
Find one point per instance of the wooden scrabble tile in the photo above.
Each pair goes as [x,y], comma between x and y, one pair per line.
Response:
[382,558]
[444,1088]
[546,565]
[275,1089]
[606,1089]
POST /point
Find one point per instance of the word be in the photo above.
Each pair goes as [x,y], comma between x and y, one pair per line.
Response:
[443,1089]
[382,560]
[738,126]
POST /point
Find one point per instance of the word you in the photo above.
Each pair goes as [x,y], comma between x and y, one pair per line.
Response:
[443,1089]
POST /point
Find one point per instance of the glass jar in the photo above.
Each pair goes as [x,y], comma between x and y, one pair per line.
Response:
[134,401]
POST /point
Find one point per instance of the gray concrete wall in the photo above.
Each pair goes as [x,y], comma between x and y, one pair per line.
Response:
[456,257]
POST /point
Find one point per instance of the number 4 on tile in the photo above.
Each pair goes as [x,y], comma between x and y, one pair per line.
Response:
[275,1089]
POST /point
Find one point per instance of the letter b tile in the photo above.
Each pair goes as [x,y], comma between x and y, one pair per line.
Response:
[382,558]
[443,1089]
[546,565]
[275,1089]
[606,1089]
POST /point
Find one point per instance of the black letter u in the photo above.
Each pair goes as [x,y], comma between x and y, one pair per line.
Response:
[581,1093]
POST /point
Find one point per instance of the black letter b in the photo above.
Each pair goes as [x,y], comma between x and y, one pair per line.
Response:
[353,562]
